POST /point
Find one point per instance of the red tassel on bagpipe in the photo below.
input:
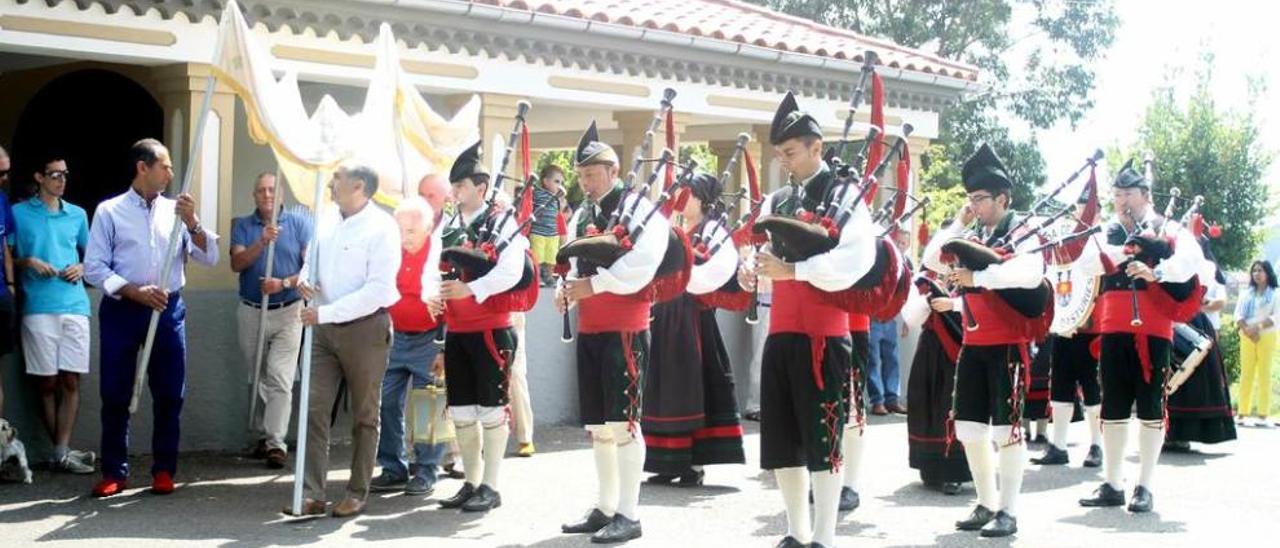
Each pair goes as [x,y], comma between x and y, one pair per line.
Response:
[904,183]
[876,150]
[524,209]
[669,178]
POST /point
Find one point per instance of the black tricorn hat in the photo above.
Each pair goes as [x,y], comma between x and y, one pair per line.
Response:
[984,171]
[591,151]
[1128,177]
[706,187]
[468,164]
[789,122]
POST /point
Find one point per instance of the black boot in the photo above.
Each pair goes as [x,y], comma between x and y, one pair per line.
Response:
[1141,501]
[1104,496]
[1094,458]
[1052,456]
[849,499]
[1002,526]
[789,542]
[1177,447]
[621,529]
[951,488]
[979,518]
[595,521]
[460,498]
[693,478]
[484,499]
[662,479]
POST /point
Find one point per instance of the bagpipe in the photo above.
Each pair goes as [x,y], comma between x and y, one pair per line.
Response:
[1036,303]
[731,295]
[604,246]
[479,252]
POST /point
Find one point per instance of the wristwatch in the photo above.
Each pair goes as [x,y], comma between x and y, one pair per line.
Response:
[195,229]
[287,283]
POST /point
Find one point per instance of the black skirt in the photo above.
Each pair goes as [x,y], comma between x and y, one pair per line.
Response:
[931,384]
[1200,410]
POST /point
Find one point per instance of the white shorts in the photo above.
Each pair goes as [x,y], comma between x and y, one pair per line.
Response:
[55,342]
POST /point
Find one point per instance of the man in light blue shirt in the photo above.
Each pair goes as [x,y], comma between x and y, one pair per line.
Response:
[127,243]
[51,236]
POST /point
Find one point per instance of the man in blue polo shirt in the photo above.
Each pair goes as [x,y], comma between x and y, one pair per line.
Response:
[250,236]
[48,247]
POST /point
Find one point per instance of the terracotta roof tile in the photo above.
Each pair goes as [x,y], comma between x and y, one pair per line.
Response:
[748,24]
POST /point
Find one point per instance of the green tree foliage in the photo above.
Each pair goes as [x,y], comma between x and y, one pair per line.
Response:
[1205,150]
[1035,54]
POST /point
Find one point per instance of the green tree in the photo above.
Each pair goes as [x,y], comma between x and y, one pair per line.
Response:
[1035,54]
[1205,150]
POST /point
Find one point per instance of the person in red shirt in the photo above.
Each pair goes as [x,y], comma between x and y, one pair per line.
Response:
[412,361]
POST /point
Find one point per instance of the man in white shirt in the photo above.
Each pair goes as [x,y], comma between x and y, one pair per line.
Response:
[357,257]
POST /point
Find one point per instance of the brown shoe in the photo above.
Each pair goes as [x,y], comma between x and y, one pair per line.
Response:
[276,458]
[879,410]
[310,507]
[348,507]
[896,408]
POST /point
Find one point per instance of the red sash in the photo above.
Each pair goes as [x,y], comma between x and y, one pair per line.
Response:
[799,308]
[608,313]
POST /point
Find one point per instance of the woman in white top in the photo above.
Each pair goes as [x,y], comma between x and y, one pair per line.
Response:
[1256,314]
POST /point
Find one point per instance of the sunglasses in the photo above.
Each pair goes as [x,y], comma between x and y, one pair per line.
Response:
[4,173]
[58,174]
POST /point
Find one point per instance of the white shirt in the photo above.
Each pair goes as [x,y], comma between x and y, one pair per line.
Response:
[718,269]
[1023,271]
[129,238]
[1265,306]
[1180,267]
[634,270]
[851,258]
[357,260]
[504,275]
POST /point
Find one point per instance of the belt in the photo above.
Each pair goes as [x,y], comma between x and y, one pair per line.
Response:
[270,306]
[379,312]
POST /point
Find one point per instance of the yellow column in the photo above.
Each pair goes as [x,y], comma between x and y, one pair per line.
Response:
[180,88]
[497,117]
[633,124]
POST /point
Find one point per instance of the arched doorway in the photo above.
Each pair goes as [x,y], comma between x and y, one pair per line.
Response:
[91,116]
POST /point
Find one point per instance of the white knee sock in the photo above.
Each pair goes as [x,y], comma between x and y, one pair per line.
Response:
[793,483]
[1062,412]
[1042,425]
[606,454]
[1092,416]
[981,459]
[495,444]
[630,468]
[852,445]
[1150,441]
[469,446]
[1114,436]
[1012,460]
[826,506]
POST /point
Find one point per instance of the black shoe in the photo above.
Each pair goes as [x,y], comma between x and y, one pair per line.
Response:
[951,488]
[979,518]
[755,417]
[1104,496]
[457,500]
[789,542]
[693,478]
[451,473]
[594,521]
[1141,501]
[1040,440]
[661,479]
[1052,456]
[1094,458]
[621,529]
[1177,447]
[483,500]
[849,499]
[1002,526]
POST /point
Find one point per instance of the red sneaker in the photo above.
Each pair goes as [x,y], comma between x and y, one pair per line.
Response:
[162,483]
[108,487]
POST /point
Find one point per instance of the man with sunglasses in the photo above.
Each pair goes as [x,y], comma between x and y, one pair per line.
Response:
[47,248]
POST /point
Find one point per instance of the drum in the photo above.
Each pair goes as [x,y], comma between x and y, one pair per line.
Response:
[1073,298]
[1190,347]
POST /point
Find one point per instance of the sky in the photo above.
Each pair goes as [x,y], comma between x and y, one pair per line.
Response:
[1158,34]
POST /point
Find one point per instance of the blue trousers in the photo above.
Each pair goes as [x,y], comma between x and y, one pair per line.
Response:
[882,368]
[122,332]
[410,362]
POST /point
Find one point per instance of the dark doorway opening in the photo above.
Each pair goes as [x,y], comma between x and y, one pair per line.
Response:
[91,117]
